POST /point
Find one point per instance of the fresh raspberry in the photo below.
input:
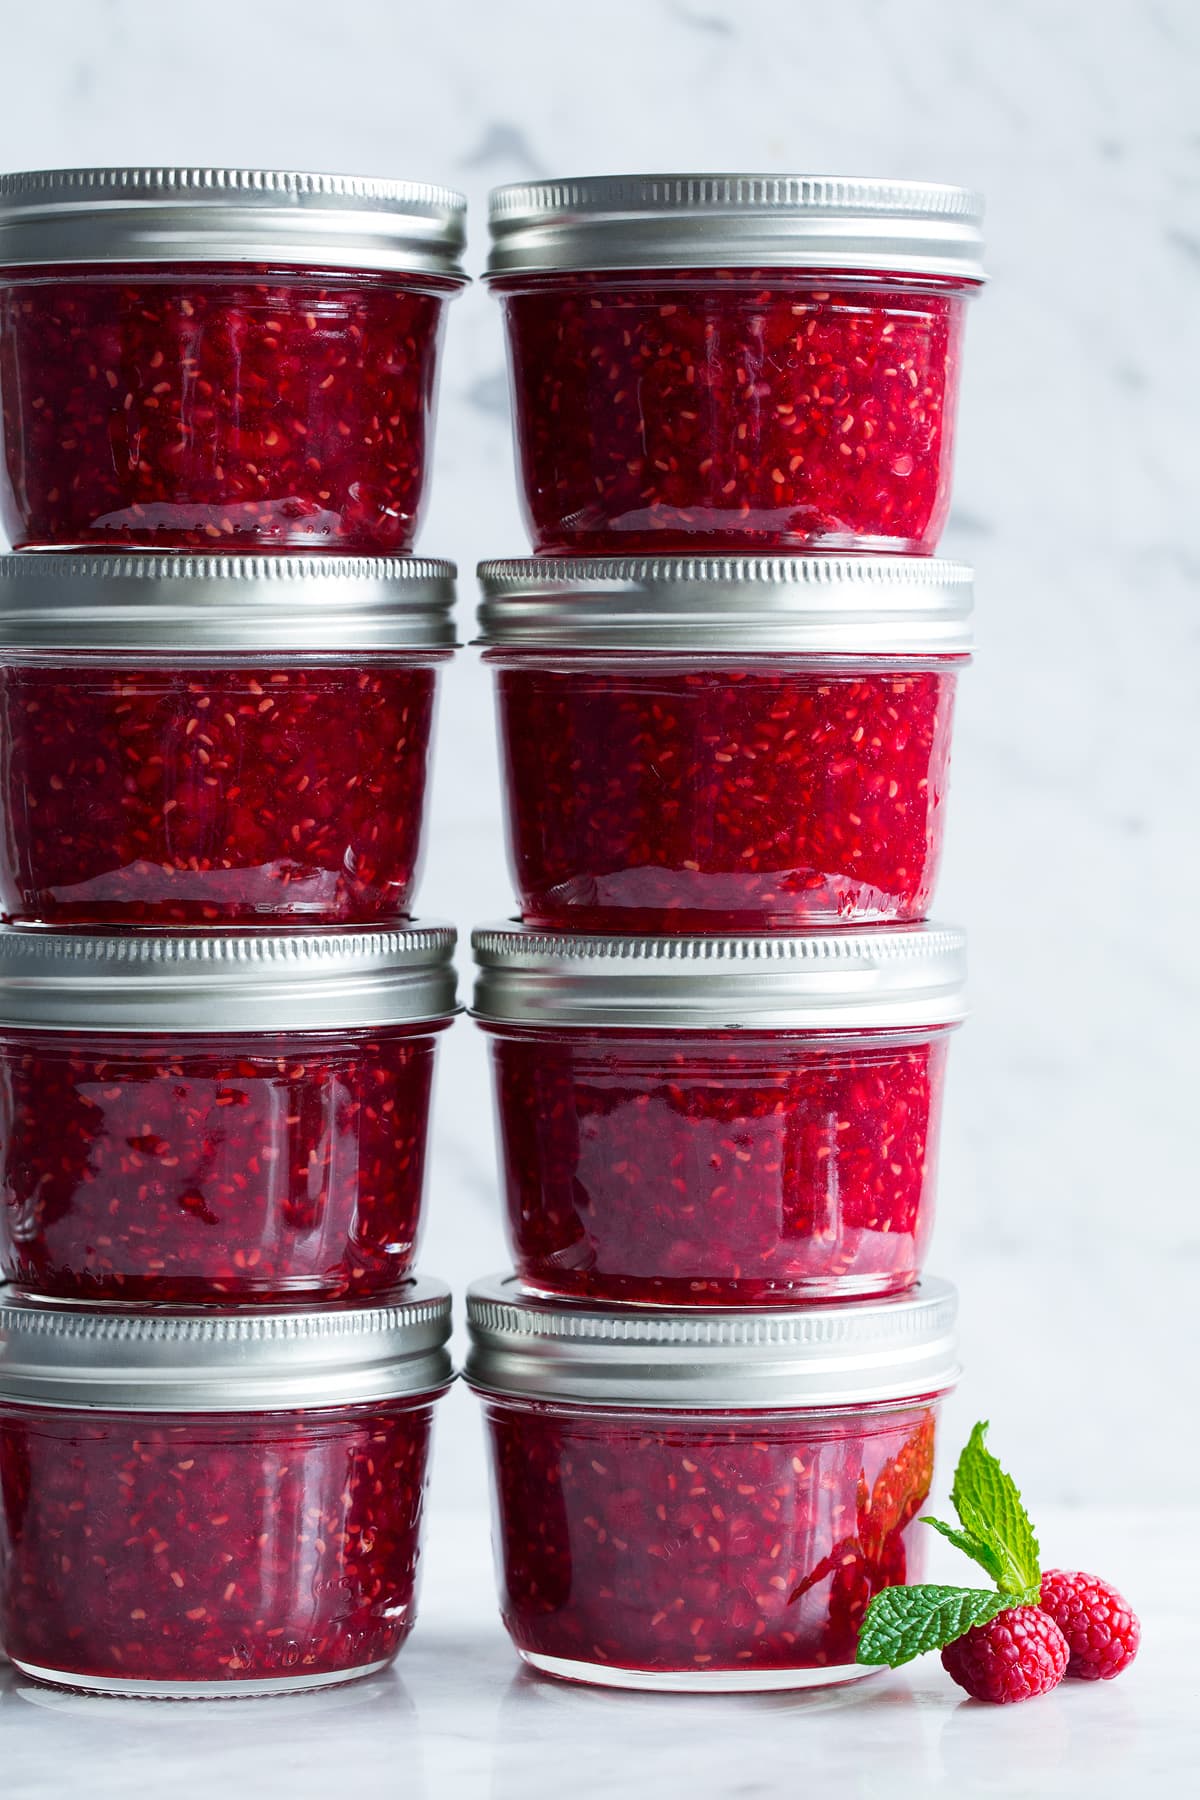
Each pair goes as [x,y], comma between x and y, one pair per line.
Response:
[1016,1656]
[1102,1632]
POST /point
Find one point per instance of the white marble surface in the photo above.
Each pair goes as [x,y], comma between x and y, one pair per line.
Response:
[1068,1172]
[459,1717]
[1068,1169]
[1068,1191]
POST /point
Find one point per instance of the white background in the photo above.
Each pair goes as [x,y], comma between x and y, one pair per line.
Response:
[1069,1202]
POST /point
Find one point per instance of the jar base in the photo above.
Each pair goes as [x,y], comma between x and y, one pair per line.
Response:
[195,1690]
[801,1293]
[697,1681]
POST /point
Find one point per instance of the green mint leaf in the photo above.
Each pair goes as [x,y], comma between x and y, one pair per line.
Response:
[989,1505]
[904,1622]
[983,1554]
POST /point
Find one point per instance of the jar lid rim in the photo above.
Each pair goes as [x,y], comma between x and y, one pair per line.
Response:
[728,220]
[196,1359]
[858,977]
[240,979]
[856,605]
[176,601]
[159,213]
[840,1352]
[146,179]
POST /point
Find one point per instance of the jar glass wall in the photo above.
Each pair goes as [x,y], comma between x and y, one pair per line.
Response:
[705,1501]
[718,1168]
[151,1169]
[699,1550]
[655,791]
[741,408]
[208,407]
[198,1503]
[203,789]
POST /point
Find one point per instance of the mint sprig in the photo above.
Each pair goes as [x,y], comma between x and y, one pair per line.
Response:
[996,1528]
[904,1622]
[995,1531]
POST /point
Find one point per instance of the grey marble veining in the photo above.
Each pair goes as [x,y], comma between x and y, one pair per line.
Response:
[1068,1187]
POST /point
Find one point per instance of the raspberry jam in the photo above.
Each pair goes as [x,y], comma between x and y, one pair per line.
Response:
[725,787]
[184,1165]
[208,795]
[735,361]
[738,1170]
[188,1552]
[189,1169]
[761,408]
[220,359]
[662,796]
[216,408]
[168,784]
[705,1158]
[710,1538]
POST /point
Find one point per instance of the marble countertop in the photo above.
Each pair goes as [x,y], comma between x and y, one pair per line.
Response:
[459,1716]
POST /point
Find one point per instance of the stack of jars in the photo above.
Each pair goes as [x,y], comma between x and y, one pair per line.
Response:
[719,1030]
[217,1018]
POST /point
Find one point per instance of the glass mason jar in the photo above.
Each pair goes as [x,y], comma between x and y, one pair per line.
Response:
[199,1505]
[725,744]
[715,1122]
[735,361]
[705,1503]
[229,1120]
[214,740]
[220,358]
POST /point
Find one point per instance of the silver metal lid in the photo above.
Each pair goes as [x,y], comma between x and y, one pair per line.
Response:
[247,980]
[855,605]
[196,1360]
[690,221]
[178,602]
[813,1356]
[891,977]
[275,216]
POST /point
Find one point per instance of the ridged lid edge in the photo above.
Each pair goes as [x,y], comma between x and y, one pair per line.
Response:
[719,191]
[893,606]
[77,1324]
[166,179]
[193,1360]
[179,604]
[163,215]
[85,568]
[501,576]
[887,943]
[858,978]
[314,951]
[524,1346]
[250,981]
[737,221]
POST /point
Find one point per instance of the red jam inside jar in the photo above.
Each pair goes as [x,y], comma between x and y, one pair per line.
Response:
[717,1548]
[149,1552]
[768,409]
[650,792]
[718,1168]
[221,1167]
[217,407]
[200,792]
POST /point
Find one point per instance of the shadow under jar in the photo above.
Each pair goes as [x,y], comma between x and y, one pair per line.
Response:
[220,358]
[197,1505]
[705,1504]
[725,744]
[710,1122]
[738,361]
[229,1119]
[215,740]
